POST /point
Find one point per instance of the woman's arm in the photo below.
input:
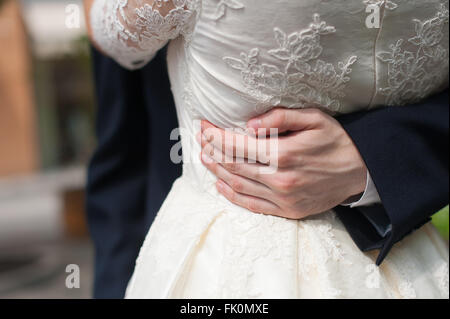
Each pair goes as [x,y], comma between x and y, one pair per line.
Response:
[132,31]
[87,10]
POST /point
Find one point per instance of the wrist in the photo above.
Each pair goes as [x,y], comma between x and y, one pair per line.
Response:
[357,173]
[358,182]
[353,199]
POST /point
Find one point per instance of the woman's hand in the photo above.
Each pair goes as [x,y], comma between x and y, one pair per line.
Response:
[318,165]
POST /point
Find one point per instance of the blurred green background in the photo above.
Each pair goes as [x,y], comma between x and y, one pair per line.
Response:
[440,220]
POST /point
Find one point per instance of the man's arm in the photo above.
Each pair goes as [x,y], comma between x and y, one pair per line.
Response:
[321,165]
[126,186]
[406,152]
[117,176]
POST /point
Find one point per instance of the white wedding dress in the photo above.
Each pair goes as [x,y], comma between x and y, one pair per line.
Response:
[230,60]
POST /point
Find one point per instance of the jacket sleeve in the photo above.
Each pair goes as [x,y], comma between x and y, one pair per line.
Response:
[406,152]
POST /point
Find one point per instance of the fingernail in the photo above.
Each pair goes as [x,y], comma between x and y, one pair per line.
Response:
[250,131]
[254,124]
[219,185]
[198,137]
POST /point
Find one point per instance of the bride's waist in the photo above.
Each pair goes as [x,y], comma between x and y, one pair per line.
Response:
[196,187]
[199,178]
[194,172]
[197,195]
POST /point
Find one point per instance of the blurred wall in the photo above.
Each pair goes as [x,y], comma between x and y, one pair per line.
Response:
[18,151]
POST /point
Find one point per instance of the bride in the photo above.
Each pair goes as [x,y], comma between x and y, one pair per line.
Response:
[231,60]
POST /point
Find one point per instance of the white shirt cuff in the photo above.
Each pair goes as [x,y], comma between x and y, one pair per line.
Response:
[369,197]
[381,222]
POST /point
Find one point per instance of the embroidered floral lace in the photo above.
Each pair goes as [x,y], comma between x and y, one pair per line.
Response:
[132,31]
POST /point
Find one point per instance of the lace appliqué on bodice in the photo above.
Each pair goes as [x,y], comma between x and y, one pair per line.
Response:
[387,4]
[222,7]
[305,80]
[132,32]
[413,75]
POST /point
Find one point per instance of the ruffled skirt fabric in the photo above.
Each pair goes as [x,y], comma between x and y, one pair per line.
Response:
[201,246]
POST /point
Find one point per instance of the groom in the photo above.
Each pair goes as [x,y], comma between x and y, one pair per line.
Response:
[403,149]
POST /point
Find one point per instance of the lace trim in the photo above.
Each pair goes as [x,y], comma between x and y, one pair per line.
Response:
[413,75]
[132,34]
[301,82]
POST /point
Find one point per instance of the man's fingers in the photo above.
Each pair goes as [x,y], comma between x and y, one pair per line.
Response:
[230,143]
[235,145]
[254,204]
[285,120]
[238,183]
[252,171]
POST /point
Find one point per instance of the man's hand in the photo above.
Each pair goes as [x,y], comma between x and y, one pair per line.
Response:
[319,167]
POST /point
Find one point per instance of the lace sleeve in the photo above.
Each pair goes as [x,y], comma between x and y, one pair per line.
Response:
[132,31]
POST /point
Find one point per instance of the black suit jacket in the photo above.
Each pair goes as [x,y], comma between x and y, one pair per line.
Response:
[405,149]
[130,173]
